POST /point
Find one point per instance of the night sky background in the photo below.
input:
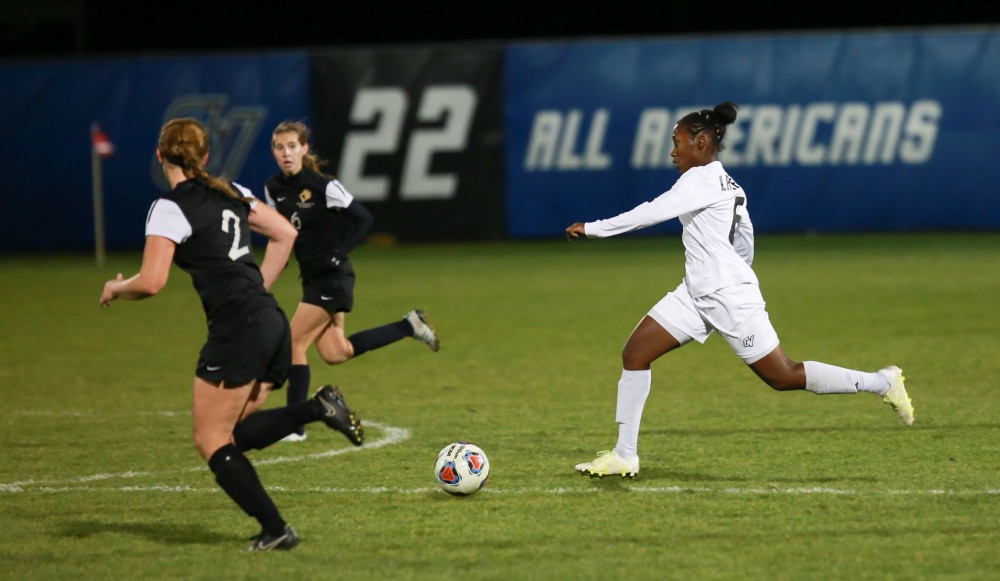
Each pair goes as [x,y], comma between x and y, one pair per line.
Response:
[32,29]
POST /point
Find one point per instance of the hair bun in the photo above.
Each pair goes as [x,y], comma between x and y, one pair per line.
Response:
[726,111]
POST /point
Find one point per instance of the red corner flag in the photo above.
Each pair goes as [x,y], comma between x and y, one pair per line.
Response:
[102,145]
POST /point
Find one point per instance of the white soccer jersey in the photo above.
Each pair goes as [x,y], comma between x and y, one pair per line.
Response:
[718,234]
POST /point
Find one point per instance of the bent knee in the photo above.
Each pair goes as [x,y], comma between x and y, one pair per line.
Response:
[334,358]
[334,351]
[337,353]
[207,446]
[783,384]
[790,378]
[634,361]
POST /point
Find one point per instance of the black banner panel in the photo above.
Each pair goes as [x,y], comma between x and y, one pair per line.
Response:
[415,134]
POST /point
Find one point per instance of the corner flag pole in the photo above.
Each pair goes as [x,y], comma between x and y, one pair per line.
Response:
[100,147]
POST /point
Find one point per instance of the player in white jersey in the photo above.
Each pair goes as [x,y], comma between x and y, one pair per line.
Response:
[719,293]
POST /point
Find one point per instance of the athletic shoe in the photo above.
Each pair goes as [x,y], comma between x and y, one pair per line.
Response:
[422,330]
[295,437]
[609,462]
[338,416]
[284,542]
[897,397]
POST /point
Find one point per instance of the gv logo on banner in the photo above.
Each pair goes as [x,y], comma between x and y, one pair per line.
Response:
[232,131]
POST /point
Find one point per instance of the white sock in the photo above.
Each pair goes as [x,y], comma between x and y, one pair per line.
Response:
[633,387]
[823,379]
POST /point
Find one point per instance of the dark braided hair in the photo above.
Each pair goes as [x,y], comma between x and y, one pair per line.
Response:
[712,120]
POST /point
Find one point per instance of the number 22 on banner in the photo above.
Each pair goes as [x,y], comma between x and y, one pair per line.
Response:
[449,107]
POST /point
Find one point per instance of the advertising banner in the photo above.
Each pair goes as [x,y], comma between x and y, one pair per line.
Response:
[54,113]
[851,132]
[415,134]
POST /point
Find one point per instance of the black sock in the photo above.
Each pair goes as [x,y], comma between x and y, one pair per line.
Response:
[298,389]
[266,427]
[236,475]
[376,337]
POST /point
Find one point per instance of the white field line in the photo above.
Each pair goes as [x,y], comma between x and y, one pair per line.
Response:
[390,435]
[375,490]
[393,435]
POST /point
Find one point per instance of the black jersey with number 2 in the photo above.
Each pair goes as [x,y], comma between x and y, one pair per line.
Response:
[212,233]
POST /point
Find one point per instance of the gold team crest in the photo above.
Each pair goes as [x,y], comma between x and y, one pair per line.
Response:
[305,196]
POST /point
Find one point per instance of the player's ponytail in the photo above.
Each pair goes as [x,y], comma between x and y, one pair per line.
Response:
[184,143]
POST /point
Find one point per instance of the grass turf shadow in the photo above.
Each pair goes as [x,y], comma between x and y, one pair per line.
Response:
[168,534]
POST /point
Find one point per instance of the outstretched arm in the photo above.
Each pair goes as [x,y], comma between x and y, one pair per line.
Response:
[691,192]
[575,231]
[152,276]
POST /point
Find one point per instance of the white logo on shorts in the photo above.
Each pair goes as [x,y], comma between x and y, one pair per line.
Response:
[213,367]
[748,341]
[325,298]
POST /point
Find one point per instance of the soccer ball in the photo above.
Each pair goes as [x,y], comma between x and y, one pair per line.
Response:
[461,468]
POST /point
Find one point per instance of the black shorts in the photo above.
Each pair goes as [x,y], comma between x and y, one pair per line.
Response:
[258,349]
[334,292]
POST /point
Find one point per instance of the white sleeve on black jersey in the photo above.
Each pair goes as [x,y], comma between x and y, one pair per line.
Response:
[270,200]
[246,193]
[337,195]
[166,219]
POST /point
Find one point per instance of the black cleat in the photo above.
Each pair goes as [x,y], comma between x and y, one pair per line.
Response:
[338,416]
[284,542]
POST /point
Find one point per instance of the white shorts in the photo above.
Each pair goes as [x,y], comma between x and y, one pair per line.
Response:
[736,312]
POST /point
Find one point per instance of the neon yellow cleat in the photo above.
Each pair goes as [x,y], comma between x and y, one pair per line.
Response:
[897,397]
[607,463]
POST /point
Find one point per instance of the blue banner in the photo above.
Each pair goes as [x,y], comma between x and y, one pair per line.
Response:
[844,132]
[49,108]
[835,133]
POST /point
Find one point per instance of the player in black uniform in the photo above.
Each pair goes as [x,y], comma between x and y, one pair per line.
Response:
[203,225]
[330,224]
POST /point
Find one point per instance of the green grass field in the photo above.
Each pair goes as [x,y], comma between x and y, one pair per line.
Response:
[99,479]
